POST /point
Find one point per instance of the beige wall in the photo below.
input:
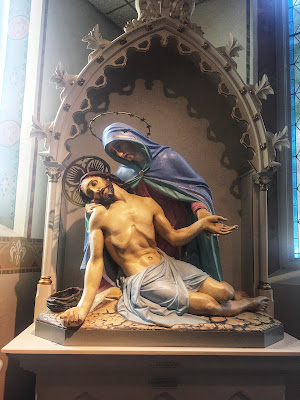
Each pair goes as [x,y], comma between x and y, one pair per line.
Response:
[218,18]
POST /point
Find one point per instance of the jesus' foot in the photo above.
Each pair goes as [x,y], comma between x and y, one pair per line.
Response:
[259,303]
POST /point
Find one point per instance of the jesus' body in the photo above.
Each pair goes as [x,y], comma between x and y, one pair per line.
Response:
[126,224]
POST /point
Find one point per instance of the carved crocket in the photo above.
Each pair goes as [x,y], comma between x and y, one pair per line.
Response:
[182,9]
[147,9]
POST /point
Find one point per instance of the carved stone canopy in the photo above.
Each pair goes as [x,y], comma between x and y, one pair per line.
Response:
[168,22]
[162,45]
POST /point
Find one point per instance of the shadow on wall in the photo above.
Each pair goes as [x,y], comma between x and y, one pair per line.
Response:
[71,252]
[20,384]
[181,77]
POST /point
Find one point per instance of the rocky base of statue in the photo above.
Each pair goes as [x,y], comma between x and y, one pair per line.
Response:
[104,326]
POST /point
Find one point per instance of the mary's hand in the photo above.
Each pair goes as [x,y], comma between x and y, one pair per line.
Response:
[89,208]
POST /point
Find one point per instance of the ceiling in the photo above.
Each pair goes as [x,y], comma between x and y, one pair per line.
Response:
[120,11]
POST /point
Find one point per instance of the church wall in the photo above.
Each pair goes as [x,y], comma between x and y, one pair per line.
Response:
[220,18]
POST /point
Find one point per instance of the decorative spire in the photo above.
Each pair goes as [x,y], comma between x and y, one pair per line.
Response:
[149,10]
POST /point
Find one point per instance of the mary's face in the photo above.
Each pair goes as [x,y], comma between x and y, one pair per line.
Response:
[127,150]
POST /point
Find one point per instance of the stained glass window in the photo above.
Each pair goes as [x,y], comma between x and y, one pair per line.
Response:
[294,47]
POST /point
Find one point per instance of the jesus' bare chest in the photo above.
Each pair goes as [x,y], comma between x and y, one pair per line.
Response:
[126,223]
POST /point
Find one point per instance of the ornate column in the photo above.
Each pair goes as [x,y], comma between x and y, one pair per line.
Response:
[45,287]
[263,180]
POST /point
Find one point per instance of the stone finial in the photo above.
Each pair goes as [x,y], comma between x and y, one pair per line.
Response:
[147,9]
[95,41]
[182,10]
[233,47]
[263,88]
[231,50]
[63,80]
[276,142]
[42,131]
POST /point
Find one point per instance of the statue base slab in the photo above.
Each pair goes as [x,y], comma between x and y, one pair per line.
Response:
[104,326]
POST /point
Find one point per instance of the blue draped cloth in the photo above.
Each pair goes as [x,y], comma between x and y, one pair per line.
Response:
[164,169]
[159,294]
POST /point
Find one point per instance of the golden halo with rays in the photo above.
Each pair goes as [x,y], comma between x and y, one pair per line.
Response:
[130,115]
[75,171]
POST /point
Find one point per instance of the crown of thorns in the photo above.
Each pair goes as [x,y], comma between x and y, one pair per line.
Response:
[124,113]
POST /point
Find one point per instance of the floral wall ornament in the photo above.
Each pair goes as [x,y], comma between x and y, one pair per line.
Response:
[231,50]
[277,141]
[42,131]
[95,42]
[63,80]
[17,252]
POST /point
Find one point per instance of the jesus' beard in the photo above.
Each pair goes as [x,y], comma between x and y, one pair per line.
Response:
[108,198]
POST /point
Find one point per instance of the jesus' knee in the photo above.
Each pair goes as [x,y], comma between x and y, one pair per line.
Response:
[225,292]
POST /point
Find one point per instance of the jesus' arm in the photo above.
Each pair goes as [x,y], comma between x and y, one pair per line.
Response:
[179,237]
[94,271]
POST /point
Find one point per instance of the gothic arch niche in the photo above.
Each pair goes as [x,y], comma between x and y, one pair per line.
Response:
[186,112]
[196,103]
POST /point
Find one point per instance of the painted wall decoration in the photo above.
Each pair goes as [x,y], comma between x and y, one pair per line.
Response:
[12,106]
[20,255]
